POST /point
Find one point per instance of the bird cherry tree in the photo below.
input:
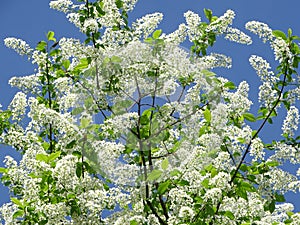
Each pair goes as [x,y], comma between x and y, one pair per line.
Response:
[127,127]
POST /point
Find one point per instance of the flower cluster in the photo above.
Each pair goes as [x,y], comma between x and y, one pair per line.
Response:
[144,26]
[129,128]
[61,5]
[20,46]
[220,25]
[290,124]
[193,21]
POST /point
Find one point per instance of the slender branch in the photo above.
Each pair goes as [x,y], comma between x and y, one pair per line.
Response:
[261,127]
[50,106]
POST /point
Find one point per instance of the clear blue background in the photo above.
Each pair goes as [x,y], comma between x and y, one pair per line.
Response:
[31,19]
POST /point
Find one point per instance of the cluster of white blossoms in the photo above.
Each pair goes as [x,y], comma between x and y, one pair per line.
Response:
[256,149]
[267,93]
[61,5]
[220,25]
[290,124]
[280,47]
[144,26]
[18,106]
[260,29]
[238,101]
[20,46]
[90,25]
[235,35]
[262,68]
[193,21]
[27,84]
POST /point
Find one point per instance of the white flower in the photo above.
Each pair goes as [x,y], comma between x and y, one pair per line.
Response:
[193,21]
[90,25]
[61,5]
[220,25]
[221,180]
[261,29]
[20,46]
[213,195]
[235,35]
[290,124]
[144,26]
[18,106]
[256,149]
[178,36]
[186,212]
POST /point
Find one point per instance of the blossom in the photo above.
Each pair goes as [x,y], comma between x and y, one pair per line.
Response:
[290,124]
[261,29]
[262,68]
[280,47]
[90,25]
[18,106]
[20,46]
[220,25]
[235,35]
[144,26]
[186,212]
[61,5]
[256,149]
[193,21]
[178,36]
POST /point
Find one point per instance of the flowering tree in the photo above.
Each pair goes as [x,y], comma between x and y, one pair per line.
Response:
[129,128]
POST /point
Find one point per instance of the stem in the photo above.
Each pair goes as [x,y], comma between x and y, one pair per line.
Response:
[50,106]
[261,126]
[255,135]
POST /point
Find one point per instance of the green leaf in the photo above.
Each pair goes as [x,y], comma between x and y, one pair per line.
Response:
[50,36]
[71,145]
[145,118]
[242,193]
[229,215]
[3,170]
[16,201]
[208,14]
[208,73]
[133,222]
[165,164]
[18,213]
[115,59]
[207,115]
[272,206]
[77,154]
[247,187]
[66,64]
[279,197]
[279,34]
[249,116]
[54,156]
[79,169]
[83,64]
[230,85]
[156,34]
[174,172]
[154,175]
[162,188]
[42,157]
[41,46]
[290,32]
[84,122]
[272,163]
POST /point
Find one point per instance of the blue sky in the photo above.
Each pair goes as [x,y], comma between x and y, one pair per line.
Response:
[31,19]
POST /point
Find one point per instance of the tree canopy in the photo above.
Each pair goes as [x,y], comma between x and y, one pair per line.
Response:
[127,127]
